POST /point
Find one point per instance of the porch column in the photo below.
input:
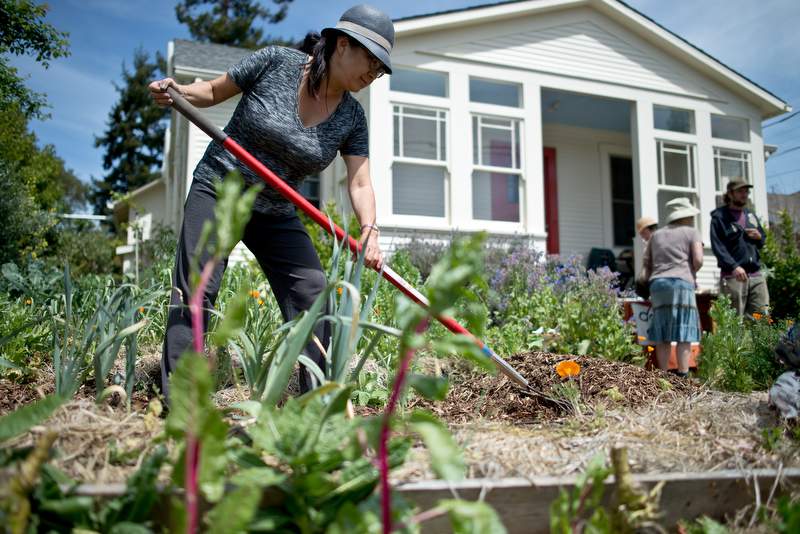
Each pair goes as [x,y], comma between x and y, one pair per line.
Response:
[380,148]
[533,217]
[706,178]
[459,183]
[645,168]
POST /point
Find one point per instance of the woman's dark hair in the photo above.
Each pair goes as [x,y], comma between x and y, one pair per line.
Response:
[320,48]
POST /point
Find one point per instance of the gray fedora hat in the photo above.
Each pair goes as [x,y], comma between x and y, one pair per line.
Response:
[372,28]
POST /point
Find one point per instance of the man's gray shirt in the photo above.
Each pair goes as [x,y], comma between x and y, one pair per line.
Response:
[267,124]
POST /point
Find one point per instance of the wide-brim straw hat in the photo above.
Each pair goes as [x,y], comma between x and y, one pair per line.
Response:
[645,222]
[680,208]
[372,28]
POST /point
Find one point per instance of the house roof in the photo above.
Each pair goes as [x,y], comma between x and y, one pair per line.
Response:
[199,57]
[769,103]
[205,56]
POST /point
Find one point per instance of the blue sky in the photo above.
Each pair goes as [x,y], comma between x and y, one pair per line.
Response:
[757,38]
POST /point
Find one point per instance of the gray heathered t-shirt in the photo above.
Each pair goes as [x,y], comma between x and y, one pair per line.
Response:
[267,124]
[669,252]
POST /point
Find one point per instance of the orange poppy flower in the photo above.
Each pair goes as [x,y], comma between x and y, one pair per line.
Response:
[339,290]
[757,316]
[568,368]
[260,302]
[141,309]
[650,348]
[642,338]
[255,294]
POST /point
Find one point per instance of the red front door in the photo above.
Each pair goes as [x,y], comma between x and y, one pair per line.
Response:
[551,200]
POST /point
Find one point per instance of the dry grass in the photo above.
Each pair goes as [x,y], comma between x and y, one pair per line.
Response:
[98,444]
[706,431]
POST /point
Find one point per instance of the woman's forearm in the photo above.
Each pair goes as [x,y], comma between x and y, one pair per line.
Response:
[200,94]
[362,198]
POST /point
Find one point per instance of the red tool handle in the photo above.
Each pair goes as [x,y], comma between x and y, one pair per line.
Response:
[190,112]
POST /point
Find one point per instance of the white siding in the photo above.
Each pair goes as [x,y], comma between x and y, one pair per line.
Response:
[579,44]
[198,141]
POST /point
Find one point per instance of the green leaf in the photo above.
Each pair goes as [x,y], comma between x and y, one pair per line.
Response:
[286,355]
[233,322]
[260,477]
[22,419]
[430,387]
[234,513]
[446,459]
[472,517]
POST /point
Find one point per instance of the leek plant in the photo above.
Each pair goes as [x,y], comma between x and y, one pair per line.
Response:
[115,320]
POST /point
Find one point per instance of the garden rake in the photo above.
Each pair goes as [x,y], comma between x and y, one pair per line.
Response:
[195,117]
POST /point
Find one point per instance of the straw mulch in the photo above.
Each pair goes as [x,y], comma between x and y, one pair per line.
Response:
[98,444]
[600,381]
[705,431]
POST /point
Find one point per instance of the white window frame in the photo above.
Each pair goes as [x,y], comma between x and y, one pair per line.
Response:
[442,119]
[519,170]
[692,167]
[719,187]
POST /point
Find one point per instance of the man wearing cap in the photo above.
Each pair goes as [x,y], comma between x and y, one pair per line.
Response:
[736,239]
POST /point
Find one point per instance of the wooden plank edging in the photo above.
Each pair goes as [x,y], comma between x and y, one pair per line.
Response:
[524,504]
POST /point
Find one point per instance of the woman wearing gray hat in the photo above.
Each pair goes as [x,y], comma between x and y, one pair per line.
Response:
[672,258]
[295,114]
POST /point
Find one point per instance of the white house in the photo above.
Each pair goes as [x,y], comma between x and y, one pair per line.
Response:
[561,121]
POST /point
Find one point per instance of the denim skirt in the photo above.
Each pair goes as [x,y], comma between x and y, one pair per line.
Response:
[675,316]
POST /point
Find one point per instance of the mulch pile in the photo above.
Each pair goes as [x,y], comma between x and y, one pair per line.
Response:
[601,382]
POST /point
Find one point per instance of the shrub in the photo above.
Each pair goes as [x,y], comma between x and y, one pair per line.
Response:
[558,295]
[87,248]
[739,354]
[782,259]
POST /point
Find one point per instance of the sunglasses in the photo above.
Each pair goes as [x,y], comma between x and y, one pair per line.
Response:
[376,67]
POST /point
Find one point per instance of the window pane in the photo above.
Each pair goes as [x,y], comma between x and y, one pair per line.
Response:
[673,119]
[676,170]
[495,196]
[502,94]
[666,196]
[496,147]
[396,135]
[732,128]
[418,81]
[419,138]
[622,205]
[729,164]
[475,144]
[417,190]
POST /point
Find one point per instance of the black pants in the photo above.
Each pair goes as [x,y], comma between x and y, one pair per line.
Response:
[283,250]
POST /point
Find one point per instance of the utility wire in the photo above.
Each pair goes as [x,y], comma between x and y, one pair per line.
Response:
[780,121]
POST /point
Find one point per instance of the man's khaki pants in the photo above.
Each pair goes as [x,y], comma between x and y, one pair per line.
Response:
[750,296]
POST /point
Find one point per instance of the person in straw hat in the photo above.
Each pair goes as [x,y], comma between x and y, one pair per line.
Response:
[671,261]
[645,228]
[736,239]
[296,113]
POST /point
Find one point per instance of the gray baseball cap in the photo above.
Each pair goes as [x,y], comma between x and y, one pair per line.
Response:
[372,28]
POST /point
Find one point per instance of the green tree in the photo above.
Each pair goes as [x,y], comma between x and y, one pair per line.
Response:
[134,136]
[35,185]
[230,22]
[23,31]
